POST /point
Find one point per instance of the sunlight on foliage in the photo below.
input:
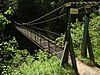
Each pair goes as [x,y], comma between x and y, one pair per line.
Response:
[9,11]
[3,21]
[60,41]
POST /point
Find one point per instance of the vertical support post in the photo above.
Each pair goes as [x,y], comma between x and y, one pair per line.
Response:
[69,47]
[44,42]
[26,31]
[65,55]
[72,53]
[40,38]
[30,33]
[48,45]
[55,46]
[90,50]
[66,48]
[35,37]
[86,41]
[65,33]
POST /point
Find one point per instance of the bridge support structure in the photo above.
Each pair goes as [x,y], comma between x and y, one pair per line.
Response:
[68,49]
[86,42]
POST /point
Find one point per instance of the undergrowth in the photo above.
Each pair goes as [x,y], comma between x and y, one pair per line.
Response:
[20,62]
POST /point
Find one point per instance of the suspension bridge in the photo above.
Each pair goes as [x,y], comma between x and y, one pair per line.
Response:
[40,40]
[34,33]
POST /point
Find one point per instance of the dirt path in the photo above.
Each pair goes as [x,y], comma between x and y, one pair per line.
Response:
[86,70]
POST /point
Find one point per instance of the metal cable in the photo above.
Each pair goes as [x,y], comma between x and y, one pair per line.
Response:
[45,20]
[93,2]
[44,15]
[45,30]
[39,22]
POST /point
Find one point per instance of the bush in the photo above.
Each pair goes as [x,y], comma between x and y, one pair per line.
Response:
[22,63]
[44,65]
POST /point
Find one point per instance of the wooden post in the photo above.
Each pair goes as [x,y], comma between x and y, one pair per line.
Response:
[69,47]
[72,53]
[35,37]
[48,45]
[65,55]
[66,47]
[40,38]
[55,46]
[90,49]
[86,41]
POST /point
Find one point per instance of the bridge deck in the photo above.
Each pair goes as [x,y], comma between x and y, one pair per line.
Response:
[41,41]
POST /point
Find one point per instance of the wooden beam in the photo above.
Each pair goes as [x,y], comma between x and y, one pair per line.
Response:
[84,42]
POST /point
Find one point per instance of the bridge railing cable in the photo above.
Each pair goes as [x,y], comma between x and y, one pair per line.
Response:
[24,24]
[26,28]
[41,29]
[64,5]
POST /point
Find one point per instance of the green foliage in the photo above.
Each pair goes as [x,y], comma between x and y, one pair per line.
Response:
[6,52]
[95,32]
[3,21]
[44,65]
[22,63]
[9,11]
[77,35]
[97,56]
[60,41]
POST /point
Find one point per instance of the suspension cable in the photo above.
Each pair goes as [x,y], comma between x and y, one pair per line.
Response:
[45,15]
[72,3]
[22,24]
[17,23]
[44,21]
[45,30]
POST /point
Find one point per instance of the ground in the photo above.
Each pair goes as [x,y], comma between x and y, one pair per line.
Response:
[87,70]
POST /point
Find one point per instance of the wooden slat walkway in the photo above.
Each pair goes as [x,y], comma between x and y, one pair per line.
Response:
[41,41]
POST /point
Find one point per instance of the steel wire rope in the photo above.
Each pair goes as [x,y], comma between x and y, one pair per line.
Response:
[45,15]
[39,22]
[43,21]
[54,11]
[45,30]
[17,23]
[58,9]
[40,29]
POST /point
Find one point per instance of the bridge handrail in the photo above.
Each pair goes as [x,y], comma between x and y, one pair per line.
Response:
[19,24]
[45,30]
[31,30]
